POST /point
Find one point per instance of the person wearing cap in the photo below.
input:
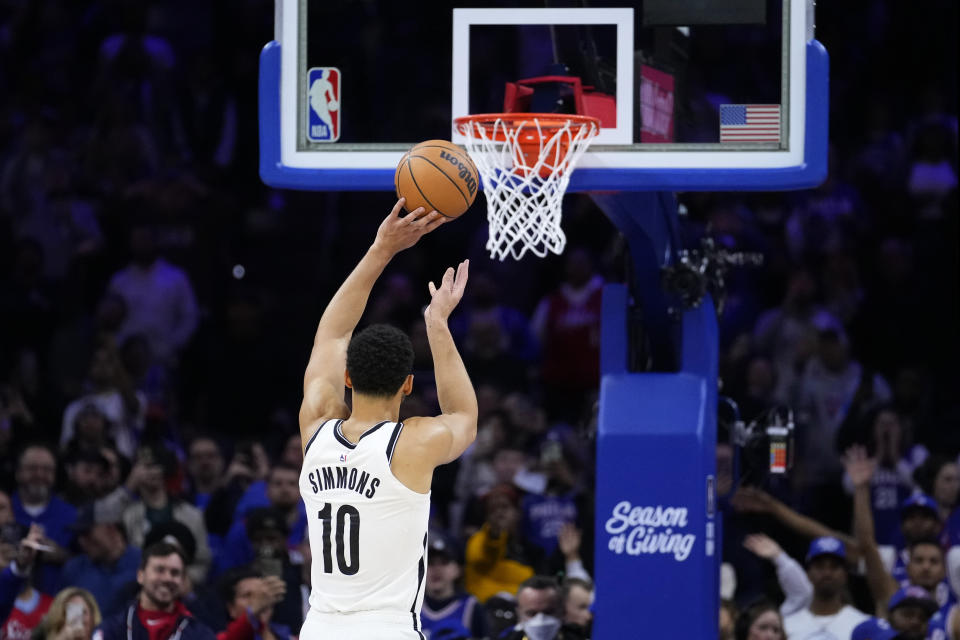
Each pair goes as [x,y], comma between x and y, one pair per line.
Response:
[108,563]
[909,612]
[920,521]
[448,612]
[827,615]
[926,566]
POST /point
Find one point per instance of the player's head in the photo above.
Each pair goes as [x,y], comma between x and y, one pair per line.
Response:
[919,518]
[826,567]
[926,567]
[909,611]
[379,362]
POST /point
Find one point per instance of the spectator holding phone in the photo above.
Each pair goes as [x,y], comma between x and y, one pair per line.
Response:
[250,599]
[21,605]
[267,532]
[73,615]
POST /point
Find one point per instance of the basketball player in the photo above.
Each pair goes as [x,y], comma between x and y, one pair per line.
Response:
[366,477]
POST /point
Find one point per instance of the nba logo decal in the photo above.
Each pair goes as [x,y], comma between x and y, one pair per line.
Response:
[323,104]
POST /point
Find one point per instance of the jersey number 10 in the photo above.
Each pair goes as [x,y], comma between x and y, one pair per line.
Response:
[342,513]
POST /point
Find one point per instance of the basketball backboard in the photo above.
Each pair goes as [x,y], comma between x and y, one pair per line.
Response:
[732,95]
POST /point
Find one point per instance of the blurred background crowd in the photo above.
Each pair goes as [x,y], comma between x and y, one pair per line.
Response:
[158,303]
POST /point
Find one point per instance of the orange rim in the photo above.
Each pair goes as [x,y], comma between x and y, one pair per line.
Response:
[547,121]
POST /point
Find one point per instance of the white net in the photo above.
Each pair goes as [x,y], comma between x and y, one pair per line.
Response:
[525,164]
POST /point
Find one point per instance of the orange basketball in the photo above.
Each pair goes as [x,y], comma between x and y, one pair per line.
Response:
[437,174]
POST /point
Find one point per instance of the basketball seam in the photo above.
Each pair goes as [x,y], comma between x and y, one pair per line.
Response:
[422,194]
[456,150]
[444,173]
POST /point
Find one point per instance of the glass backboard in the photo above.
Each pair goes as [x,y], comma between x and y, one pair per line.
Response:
[735,97]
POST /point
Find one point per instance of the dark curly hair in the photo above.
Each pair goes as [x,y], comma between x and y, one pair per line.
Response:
[379,358]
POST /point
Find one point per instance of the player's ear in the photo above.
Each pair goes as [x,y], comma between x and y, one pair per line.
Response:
[346,380]
[407,387]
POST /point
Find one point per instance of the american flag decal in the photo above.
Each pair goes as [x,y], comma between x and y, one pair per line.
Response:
[749,123]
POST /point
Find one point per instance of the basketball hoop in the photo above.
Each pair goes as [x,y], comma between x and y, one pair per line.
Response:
[525,161]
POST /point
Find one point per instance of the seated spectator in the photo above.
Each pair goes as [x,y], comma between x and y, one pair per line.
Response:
[447,611]
[540,613]
[909,614]
[35,503]
[158,612]
[21,606]
[205,468]
[156,506]
[283,495]
[760,621]
[820,609]
[939,478]
[497,557]
[242,475]
[249,599]
[86,470]
[267,533]
[73,615]
[108,564]
[121,406]
[576,594]
[728,618]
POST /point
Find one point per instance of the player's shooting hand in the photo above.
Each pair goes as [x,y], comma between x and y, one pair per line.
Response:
[763,546]
[444,299]
[396,234]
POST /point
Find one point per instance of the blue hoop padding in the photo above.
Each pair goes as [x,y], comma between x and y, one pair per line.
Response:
[809,174]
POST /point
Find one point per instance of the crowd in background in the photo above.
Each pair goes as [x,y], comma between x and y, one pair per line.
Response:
[158,303]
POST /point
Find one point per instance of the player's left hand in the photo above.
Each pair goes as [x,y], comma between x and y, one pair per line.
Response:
[396,234]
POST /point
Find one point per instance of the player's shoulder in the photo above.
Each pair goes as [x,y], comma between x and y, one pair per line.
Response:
[426,432]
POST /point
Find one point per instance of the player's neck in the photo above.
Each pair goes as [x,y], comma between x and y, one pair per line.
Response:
[368,410]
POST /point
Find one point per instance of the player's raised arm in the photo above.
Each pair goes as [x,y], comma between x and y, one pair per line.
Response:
[457,425]
[323,381]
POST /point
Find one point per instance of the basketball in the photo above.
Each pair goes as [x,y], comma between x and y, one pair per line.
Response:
[439,175]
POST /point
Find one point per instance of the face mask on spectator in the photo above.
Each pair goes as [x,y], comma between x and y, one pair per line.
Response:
[541,627]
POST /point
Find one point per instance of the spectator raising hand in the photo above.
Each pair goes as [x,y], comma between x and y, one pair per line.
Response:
[859,467]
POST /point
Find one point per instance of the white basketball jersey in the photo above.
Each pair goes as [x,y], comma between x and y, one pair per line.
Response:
[368,531]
